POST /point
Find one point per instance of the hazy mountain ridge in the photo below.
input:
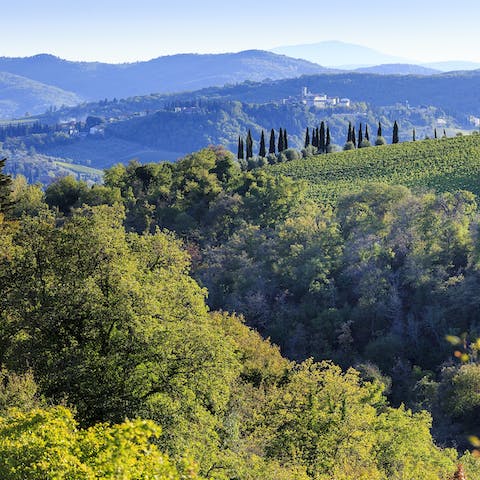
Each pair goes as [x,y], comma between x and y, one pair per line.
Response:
[456,92]
[174,73]
[339,54]
[398,69]
[19,95]
[350,56]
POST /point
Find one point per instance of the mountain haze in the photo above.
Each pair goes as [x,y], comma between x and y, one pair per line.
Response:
[175,73]
[398,69]
[454,65]
[19,95]
[339,54]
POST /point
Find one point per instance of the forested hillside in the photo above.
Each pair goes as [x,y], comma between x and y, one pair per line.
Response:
[179,128]
[20,96]
[454,92]
[100,311]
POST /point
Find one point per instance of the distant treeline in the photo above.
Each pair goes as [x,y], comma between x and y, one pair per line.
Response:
[24,129]
[318,140]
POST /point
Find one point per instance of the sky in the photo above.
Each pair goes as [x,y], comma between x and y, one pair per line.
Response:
[133,30]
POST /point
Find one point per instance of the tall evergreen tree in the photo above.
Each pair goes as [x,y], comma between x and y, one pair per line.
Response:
[395,138]
[249,145]
[349,136]
[262,152]
[414,135]
[367,133]
[281,146]
[240,153]
[315,137]
[444,133]
[272,147]
[360,136]
[5,189]
[379,131]
[435,133]
[328,140]
[307,138]
[285,139]
[321,141]
[354,137]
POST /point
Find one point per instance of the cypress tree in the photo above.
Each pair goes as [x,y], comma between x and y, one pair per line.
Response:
[367,134]
[321,141]
[281,146]
[307,138]
[285,139]
[395,138]
[414,135]
[315,137]
[435,133]
[5,189]
[379,131]
[272,142]
[354,137]
[349,137]
[249,145]
[360,136]
[262,151]
[240,152]
[328,140]
[444,133]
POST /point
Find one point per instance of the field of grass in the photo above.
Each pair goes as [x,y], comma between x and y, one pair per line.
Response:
[79,168]
[446,164]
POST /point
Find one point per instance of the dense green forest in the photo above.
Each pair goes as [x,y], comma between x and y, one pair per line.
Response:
[119,359]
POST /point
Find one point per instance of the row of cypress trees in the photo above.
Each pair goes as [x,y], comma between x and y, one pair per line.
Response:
[318,138]
[245,148]
[362,139]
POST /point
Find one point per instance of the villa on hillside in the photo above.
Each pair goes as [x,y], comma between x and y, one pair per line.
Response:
[322,100]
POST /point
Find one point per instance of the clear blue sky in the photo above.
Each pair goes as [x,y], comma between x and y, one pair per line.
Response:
[129,30]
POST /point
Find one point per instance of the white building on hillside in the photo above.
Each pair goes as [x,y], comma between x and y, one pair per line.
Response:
[322,100]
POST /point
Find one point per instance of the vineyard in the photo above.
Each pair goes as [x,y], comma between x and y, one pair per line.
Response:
[440,165]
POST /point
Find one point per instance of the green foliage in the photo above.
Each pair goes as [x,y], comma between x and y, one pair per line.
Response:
[27,199]
[446,165]
[46,444]
[5,189]
[18,391]
[114,323]
[461,393]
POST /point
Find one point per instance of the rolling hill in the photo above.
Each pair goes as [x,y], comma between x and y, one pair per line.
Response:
[398,69]
[446,164]
[19,95]
[455,92]
[174,73]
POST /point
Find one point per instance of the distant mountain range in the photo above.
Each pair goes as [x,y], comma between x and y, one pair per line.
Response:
[175,73]
[346,56]
[398,69]
[349,56]
[19,95]
[33,84]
